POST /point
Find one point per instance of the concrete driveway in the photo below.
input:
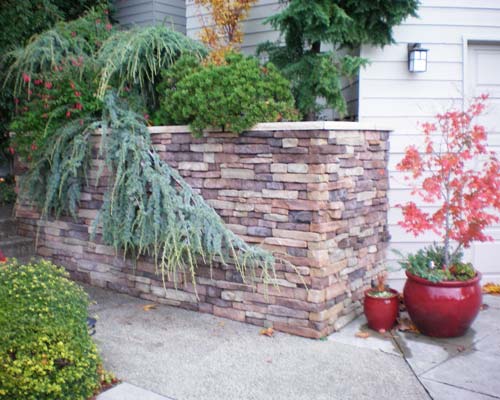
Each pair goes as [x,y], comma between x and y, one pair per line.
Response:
[169,353]
[186,355]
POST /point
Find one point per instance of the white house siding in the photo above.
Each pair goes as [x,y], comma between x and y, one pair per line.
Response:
[390,95]
[149,12]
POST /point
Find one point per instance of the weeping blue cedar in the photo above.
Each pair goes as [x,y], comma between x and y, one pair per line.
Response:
[135,57]
[150,210]
[55,178]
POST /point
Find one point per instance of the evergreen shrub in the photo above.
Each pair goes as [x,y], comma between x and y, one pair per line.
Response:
[233,96]
[319,43]
[45,352]
[7,191]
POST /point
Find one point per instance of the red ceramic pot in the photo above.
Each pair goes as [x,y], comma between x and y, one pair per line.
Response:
[381,312]
[443,309]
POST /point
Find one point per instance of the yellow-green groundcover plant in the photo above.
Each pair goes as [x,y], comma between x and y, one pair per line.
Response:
[46,352]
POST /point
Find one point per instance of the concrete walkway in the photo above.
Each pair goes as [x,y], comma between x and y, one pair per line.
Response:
[465,368]
[169,353]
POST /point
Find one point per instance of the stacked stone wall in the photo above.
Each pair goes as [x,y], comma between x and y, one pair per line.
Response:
[317,195]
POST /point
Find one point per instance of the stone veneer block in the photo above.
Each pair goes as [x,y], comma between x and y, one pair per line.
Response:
[314,192]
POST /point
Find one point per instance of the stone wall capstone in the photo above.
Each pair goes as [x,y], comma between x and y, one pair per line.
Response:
[314,192]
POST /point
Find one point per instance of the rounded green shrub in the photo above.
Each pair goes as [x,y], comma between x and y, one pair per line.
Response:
[233,96]
[45,350]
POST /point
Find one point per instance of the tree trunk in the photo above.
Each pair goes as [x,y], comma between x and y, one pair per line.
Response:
[316,47]
[312,115]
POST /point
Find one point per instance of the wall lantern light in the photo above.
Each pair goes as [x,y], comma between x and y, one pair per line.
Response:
[417,58]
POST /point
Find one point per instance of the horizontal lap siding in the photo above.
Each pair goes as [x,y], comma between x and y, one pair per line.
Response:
[134,12]
[172,12]
[149,12]
[392,96]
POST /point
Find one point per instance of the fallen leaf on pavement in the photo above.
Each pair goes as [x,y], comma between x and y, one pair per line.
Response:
[460,348]
[484,306]
[267,332]
[491,288]
[149,307]
[362,335]
[406,325]
[221,324]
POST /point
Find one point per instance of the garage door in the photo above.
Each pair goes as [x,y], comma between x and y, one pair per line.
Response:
[483,76]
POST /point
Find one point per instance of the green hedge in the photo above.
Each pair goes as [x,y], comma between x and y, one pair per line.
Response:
[46,352]
[233,96]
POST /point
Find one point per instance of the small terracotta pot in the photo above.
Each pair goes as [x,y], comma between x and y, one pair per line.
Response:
[442,309]
[381,312]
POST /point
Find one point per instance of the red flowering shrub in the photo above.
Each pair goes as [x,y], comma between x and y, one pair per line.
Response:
[457,173]
[51,97]
[50,104]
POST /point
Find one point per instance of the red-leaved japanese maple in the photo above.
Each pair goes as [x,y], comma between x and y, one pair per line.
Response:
[457,173]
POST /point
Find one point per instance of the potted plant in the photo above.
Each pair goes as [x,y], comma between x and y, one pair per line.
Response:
[460,178]
[381,305]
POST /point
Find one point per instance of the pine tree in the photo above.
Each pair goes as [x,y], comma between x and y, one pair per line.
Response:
[308,25]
